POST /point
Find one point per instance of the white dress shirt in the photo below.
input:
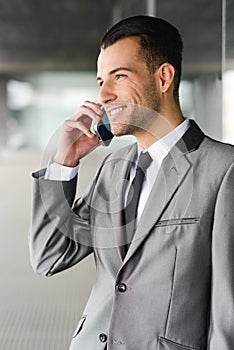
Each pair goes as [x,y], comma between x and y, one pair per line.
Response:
[158,151]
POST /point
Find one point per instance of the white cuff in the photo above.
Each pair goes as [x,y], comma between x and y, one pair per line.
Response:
[60,172]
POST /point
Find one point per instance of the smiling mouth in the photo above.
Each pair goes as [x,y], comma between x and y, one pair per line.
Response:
[112,112]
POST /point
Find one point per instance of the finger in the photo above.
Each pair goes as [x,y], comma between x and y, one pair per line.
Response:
[70,125]
[84,111]
[96,107]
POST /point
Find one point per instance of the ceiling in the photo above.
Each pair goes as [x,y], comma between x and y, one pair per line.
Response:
[64,35]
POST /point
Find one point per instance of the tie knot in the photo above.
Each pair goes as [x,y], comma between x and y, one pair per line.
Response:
[144,161]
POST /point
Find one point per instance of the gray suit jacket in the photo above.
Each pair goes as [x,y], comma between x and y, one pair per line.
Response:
[175,288]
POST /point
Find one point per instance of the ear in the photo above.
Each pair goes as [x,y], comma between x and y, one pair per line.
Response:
[165,73]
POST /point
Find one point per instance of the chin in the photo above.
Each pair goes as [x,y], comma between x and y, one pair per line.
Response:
[118,131]
[122,130]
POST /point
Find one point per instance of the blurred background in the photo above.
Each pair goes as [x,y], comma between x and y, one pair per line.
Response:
[48,52]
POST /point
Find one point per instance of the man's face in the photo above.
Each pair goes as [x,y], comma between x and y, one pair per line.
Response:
[127,88]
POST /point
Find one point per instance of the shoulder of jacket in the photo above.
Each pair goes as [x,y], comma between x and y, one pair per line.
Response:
[219,146]
[220,155]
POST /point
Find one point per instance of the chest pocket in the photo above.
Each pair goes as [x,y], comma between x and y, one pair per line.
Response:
[166,344]
[177,222]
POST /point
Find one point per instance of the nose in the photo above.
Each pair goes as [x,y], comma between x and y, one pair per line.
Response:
[107,93]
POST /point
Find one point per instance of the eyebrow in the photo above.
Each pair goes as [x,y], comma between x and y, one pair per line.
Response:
[116,70]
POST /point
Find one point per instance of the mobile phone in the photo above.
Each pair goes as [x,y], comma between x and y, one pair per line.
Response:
[103,130]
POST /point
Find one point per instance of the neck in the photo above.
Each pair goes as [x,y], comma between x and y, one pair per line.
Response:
[164,123]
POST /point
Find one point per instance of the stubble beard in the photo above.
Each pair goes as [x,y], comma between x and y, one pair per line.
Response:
[141,117]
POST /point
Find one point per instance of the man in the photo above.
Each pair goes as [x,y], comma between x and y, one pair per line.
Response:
[165,277]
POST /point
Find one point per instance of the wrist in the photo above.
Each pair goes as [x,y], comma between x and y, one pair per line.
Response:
[70,163]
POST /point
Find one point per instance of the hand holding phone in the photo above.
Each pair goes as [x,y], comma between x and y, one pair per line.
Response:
[76,139]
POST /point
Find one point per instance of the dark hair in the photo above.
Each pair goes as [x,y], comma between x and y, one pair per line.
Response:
[160,42]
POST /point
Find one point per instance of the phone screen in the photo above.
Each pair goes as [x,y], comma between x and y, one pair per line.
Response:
[103,130]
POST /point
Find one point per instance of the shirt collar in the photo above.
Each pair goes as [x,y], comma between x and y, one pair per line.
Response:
[159,150]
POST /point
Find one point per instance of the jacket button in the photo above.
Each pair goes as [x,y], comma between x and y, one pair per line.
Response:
[103,337]
[121,287]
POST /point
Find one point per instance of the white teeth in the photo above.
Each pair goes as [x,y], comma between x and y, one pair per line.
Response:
[116,110]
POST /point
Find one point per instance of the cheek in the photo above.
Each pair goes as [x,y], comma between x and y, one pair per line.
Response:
[132,92]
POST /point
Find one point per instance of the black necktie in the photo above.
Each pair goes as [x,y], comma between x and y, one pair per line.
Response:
[133,198]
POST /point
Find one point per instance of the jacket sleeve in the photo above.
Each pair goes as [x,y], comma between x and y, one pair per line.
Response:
[60,235]
[222,285]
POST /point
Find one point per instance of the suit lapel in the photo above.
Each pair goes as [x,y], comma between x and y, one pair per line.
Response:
[120,173]
[173,171]
[168,181]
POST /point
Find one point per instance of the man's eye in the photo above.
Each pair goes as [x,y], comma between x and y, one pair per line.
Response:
[119,76]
